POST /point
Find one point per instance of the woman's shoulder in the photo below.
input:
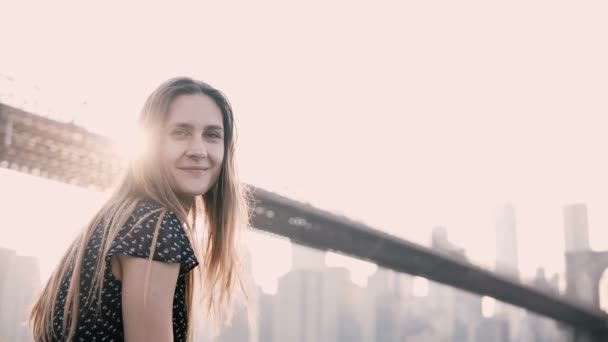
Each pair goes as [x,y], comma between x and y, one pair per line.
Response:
[146,221]
[146,227]
[146,206]
[145,210]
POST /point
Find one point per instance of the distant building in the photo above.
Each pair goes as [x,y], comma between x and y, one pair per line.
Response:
[576,227]
[454,314]
[441,244]
[384,286]
[581,281]
[495,329]
[303,310]
[507,261]
[241,327]
[542,329]
[238,330]
[317,303]
[265,316]
[537,328]
[16,294]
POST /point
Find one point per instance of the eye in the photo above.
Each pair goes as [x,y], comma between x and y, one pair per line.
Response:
[214,135]
[180,133]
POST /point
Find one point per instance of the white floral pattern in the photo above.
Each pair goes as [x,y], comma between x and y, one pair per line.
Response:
[172,246]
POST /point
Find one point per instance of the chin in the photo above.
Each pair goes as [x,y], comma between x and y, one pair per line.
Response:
[196,192]
[193,188]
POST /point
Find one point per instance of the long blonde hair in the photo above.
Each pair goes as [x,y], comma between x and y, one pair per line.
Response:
[224,209]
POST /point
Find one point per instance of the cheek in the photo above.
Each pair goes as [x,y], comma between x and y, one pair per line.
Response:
[218,158]
[218,155]
[170,153]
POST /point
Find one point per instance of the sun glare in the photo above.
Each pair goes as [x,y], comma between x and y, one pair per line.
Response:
[127,142]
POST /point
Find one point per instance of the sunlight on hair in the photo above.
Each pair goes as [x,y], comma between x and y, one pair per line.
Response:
[420,287]
[128,143]
[488,305]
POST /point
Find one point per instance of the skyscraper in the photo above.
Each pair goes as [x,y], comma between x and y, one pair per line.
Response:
[455,314]
[494,329]
[507,261]
[576,228]
[266,320]
[383,285]
[241,328]
[303,308]
[318,303]
[18,291]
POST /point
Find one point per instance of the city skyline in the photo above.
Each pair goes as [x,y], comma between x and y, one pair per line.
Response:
[321,303]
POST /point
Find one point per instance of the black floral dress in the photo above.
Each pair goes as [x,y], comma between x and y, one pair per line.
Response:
[172,246]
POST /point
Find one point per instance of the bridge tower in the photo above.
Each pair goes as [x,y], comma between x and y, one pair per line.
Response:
[584,267]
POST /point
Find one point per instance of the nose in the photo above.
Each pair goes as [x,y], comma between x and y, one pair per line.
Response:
[197,149]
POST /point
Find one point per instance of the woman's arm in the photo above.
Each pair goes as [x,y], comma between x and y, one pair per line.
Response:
[155,322]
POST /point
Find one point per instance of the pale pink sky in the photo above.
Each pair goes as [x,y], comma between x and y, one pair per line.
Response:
[403,115]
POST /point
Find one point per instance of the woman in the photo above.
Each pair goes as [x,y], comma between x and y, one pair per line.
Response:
[130,274]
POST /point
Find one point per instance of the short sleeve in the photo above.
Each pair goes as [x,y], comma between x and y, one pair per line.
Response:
[172,244]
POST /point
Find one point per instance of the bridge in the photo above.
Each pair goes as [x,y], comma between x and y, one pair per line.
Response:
[40,146]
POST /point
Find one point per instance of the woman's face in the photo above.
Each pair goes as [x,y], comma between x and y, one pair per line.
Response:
[192,148]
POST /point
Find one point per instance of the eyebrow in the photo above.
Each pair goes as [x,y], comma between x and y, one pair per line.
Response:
[189,126]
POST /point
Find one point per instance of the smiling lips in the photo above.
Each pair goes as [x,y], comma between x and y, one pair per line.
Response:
[194,170]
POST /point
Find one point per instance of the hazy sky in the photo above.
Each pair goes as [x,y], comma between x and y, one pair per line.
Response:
[404,115]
